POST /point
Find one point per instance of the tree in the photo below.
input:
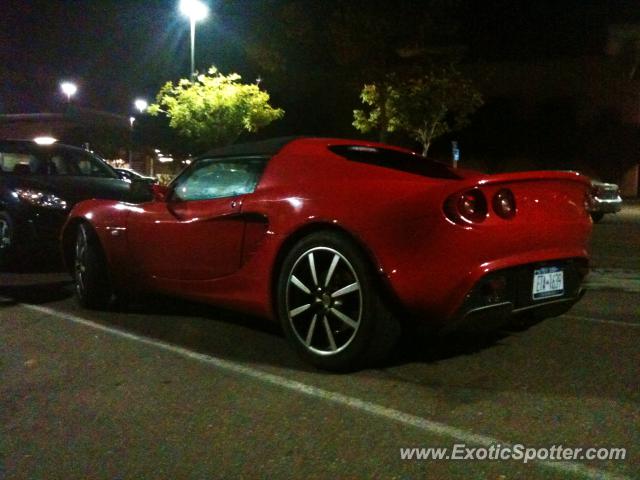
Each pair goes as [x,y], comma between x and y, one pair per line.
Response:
[320,53]
[425,107]
[215,109]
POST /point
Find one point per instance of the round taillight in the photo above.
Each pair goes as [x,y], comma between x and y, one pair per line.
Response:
[471,206]
[504,203]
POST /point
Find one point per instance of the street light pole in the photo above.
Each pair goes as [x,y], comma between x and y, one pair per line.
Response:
[195,10]
[192,21]
[131,122]
[141,105]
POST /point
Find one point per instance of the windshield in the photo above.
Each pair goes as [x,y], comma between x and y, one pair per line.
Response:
[57,161]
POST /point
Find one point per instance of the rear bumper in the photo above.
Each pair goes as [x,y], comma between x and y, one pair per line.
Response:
[504,294]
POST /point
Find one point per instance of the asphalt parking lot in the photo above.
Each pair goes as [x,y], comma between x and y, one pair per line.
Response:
[169,389]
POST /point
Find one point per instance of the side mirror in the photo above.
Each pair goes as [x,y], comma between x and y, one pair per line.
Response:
[140,191]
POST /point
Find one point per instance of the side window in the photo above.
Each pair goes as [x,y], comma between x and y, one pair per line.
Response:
[218,178]
[19,163]
[77,163]
[59,166]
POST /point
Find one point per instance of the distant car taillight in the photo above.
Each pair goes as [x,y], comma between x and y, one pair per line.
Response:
[469,207]
[504,203]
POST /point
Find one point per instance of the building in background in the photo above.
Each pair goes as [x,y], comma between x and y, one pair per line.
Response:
[108,134]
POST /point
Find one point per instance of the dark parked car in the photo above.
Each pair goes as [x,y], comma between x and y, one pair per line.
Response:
[131,175]
[604,198]
[39,184]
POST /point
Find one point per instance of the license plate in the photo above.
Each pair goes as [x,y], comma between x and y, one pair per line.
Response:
[547,282]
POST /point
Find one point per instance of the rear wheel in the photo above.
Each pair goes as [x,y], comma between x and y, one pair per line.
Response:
[6,239]
[330,307]
[93,288]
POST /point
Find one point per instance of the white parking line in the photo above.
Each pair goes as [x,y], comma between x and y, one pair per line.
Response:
[602,320]
[429,426]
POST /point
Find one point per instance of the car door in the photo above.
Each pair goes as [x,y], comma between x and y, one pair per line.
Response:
[197,233]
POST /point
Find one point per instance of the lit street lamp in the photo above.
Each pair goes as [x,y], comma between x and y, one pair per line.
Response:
[141,105]
[69,89]
[195,10]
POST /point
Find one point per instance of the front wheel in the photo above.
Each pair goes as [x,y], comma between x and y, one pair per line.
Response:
[330,306]
[91,275]
[597,216]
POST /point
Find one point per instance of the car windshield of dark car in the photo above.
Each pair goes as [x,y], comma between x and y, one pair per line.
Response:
[78,164]
[394,159]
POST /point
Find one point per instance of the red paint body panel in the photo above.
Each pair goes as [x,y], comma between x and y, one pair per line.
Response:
[186,241]
[224,251]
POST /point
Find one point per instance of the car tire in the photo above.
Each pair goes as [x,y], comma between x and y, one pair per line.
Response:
[7,239]
[91,275]
[597,216]
[329,302]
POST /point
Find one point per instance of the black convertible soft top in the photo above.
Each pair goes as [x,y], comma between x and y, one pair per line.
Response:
[262,148]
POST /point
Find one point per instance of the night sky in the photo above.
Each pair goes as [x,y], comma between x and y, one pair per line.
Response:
[118,50]
[113,50]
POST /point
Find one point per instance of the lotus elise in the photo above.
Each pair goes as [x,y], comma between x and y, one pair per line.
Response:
[341,241]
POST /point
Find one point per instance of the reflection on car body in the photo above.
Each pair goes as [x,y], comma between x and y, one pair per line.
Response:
[129,175]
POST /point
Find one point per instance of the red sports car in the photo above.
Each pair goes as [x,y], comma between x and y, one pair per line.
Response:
[340,240]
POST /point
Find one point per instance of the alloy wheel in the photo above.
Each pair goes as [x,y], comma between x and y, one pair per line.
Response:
[324,301]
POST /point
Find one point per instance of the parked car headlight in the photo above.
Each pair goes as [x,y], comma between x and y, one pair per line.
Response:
[40,198]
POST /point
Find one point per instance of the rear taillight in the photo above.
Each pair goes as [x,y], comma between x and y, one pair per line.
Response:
[469,207]
[504,203]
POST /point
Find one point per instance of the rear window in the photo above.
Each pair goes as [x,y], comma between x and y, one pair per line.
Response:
[395,160]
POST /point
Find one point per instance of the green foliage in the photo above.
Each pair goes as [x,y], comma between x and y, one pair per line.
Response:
[424,107]
[165,178]
[215,109]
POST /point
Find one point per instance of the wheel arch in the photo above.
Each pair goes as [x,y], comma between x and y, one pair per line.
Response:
[315,227]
